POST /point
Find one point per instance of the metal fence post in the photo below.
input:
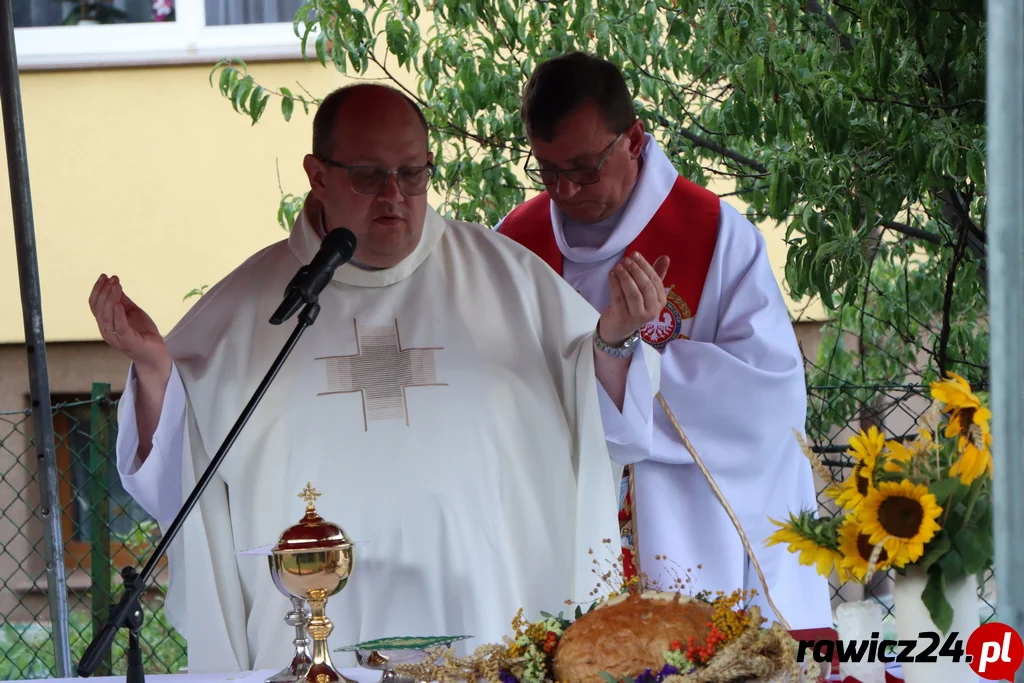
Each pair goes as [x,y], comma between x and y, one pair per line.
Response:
[35,341]
[1005,143]
[101,566]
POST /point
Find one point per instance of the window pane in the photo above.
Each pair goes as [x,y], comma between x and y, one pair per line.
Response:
[28,13]
[232,12]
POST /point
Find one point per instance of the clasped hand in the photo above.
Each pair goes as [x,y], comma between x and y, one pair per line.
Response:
[637,297]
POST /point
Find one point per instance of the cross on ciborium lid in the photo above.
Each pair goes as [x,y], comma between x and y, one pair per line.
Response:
[312,532]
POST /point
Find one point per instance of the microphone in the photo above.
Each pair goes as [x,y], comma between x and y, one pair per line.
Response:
[304,288]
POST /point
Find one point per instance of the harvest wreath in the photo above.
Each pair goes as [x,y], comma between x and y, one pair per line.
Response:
[631,636]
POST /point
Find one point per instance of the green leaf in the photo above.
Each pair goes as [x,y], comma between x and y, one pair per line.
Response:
[934,551]
[225,80]
[321,47]
[608,677]
[944,489]
[397,41]
[934,598]
[773,194]
[242,91]
[951,564]
[975,548]
[975,166]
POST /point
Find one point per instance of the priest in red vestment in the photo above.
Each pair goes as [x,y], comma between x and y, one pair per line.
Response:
[731,369]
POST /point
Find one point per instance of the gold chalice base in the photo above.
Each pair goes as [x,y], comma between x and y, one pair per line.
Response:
[315,575]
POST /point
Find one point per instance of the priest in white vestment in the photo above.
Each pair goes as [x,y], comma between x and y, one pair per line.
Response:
[731,373]
[446,406]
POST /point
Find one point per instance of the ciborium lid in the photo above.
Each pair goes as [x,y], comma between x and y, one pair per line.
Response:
[312,532]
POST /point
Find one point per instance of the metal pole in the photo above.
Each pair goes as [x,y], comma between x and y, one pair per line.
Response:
[1005,142]
[35,342]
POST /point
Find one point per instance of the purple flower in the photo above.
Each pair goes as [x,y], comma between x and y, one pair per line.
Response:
[666,671]
[506,677]
[646,677]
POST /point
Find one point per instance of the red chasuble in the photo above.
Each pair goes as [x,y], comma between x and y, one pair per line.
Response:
[685,228]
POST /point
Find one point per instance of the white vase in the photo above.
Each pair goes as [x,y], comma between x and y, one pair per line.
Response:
[913,621]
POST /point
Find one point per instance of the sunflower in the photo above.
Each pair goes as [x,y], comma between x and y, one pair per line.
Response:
[964,407]
[974,461]
[864,448]
[856,548]
[968,419]
[901,515]
[811,550]
[898,456]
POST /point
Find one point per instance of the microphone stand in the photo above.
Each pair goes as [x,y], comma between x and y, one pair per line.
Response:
[128,612]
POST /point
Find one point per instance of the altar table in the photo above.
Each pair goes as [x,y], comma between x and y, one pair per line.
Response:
[893,675]
[357,675]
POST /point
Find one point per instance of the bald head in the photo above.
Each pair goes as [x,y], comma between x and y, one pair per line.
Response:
[350,109]
[370,170]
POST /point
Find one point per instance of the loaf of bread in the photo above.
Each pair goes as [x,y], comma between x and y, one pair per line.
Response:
[628,635]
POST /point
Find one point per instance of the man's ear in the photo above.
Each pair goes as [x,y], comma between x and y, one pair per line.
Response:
[430,157]
[636,139]
[316,173]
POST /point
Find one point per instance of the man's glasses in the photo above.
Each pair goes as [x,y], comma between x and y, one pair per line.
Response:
[412,180]
[579,176]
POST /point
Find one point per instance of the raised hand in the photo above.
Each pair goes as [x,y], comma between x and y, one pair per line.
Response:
[637,294]
[128,328]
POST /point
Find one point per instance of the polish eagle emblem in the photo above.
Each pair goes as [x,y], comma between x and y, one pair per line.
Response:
[669,325]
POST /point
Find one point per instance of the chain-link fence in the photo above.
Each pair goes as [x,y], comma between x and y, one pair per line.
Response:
[105,530]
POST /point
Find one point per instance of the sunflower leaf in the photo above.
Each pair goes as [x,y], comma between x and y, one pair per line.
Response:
[943,489]
[934,551]
[934,598]
[975,548]
[951,564]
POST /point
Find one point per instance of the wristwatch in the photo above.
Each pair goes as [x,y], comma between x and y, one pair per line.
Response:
[623,350]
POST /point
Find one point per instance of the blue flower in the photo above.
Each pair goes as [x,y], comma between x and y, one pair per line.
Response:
[506,677]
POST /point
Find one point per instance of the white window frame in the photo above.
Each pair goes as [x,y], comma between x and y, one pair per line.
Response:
[187,40]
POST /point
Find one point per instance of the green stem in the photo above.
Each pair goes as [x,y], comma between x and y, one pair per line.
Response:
[972,497]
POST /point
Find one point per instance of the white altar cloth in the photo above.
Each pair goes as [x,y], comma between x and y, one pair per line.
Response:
[357,675]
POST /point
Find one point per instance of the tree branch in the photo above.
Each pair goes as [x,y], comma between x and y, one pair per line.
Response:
[947,302]
[913,232]
[814,8]
[720,149]
[958,215]
[952,105]
[727,174]
[876,240]
[737,193]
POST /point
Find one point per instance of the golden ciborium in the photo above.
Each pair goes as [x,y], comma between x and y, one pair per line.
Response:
[312,561]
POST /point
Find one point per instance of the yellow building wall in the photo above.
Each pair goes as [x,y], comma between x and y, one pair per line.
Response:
[150,174]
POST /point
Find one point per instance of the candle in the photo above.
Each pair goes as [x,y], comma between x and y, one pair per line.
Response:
[858,624]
